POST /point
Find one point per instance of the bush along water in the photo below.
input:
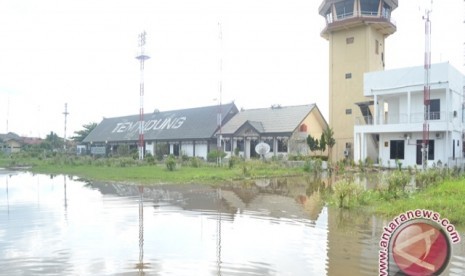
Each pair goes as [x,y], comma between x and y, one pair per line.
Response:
[346,193]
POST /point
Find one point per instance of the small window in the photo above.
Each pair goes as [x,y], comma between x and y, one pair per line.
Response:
[348,75]
[350,40]
[386,144]
[348,111]
[377,47]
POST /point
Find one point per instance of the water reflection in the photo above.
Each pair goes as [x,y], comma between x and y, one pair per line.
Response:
[140,266]
[218,232]
[60,225]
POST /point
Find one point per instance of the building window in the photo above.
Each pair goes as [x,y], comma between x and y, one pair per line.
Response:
[348,111]
[227,145]
[348,75]
[377,47]
[369,7]
[344,9]
[269,141]
[397,149]
[282,145]
[329,17]
[434,109]
[350,40]
[240,145]
[386,11]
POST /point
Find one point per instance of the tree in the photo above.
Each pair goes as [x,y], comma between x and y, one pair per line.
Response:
[322,146]
[312,143]
[80,135]
[52,141]
[330,141]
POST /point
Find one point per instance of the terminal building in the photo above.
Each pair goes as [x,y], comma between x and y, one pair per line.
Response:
[194,132]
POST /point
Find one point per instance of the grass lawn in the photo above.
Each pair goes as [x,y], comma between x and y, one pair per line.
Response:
[154,174]
[446,198]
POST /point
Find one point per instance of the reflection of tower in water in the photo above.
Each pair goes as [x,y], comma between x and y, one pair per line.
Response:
[66,199]
[218,232]
[140,265]
[7,197]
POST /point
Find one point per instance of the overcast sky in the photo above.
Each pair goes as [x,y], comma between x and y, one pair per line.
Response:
[83,52]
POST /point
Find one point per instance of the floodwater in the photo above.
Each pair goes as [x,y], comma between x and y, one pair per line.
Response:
[64,226]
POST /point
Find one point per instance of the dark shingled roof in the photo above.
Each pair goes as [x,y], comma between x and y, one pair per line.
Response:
[185,124]
[269,120]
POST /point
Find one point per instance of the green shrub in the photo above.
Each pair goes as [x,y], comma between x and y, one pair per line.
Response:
[233,160]
[170,163]
[392,185]
[149,159]
[213,155]
[346,192]
[308,166]
[428,178]
[196,162]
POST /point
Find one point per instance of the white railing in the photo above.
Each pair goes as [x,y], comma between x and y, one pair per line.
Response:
[403,118]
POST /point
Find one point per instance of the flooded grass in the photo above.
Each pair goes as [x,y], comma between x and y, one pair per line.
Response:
[445,198]
[441,191]
[131,171]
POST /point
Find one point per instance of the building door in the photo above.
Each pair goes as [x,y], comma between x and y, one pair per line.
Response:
[253,153]
[430,151]
[176,149]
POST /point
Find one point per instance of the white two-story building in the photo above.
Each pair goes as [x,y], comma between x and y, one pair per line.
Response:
[394,123]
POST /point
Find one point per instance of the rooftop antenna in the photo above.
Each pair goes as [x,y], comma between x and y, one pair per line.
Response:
[66,115]
[142,57]
[426,89]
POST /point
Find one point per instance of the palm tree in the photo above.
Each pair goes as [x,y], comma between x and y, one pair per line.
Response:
[80,135]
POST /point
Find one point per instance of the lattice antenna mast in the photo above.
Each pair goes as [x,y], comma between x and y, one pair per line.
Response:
[66,113]
[7,113]
[142,57]
[426,90]
[220,90]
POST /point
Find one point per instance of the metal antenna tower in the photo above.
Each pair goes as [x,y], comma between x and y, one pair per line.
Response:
[142,57]
[426,90]
[66,113]
[7,113]
[220,88]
